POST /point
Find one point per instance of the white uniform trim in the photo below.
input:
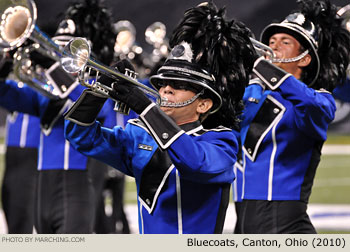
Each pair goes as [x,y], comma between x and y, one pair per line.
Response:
[138,123]
[243,173]
[154,134]
[24,130]
[256,81]
[66,155]
[141,220]
[267,82]
[66,106]
[236,167]
[147,109]
[272,162]
[41,144]
[322,90]
[235,195]
[150,209]
[274,149]
[190,132]
[275,121]
[179,207]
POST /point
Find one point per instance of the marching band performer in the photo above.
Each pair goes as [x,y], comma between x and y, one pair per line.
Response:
[65,202]
[289,106]
[22,141]
[182,170]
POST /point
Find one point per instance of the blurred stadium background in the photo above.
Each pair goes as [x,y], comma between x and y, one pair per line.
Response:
[330,200]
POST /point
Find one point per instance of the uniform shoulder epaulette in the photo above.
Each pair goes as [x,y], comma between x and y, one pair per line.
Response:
[135,121]
[322,90]
[217,129]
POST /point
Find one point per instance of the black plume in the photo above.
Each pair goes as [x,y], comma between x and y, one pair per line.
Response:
[94,22]
[333,43]
[223,48]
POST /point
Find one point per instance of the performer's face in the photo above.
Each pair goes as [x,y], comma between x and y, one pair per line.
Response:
[286,46]
[186,114]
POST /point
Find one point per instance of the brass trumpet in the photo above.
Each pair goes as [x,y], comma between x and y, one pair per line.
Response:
[17,24]
[263,50]
[77,59]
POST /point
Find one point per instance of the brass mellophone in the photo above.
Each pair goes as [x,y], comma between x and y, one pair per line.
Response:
[77,58]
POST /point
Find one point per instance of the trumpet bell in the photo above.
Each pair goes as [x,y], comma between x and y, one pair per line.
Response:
[17,23]
[75,55]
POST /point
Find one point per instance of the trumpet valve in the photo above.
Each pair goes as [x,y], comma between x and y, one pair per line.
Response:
[130,73]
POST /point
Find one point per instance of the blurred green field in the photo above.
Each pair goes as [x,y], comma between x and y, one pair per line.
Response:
[332,182]
[338,139]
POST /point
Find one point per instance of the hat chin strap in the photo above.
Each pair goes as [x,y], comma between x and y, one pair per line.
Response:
[289,60]
[164,101]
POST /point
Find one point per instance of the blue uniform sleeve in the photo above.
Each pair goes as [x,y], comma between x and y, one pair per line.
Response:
[107,145]
[76,92]
[208,158]
[314,110]
[24,100]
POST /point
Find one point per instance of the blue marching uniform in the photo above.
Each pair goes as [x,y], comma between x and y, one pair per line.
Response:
[64,202]
[53,152]
[109,182]
[237,187]
[182,179]
[268,150]
[23,130]
[283,130]
[18,202]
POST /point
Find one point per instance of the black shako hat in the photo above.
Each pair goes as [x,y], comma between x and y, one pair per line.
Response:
[179,66]
[92,20]
[318,29]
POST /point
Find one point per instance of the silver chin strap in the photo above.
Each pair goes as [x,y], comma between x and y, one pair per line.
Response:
[164,101]
[289,60]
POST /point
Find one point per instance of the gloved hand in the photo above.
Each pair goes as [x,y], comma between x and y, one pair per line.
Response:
[121,66]
[126,92]
[130,95]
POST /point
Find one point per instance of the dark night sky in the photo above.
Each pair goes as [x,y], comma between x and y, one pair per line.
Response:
[255,14]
